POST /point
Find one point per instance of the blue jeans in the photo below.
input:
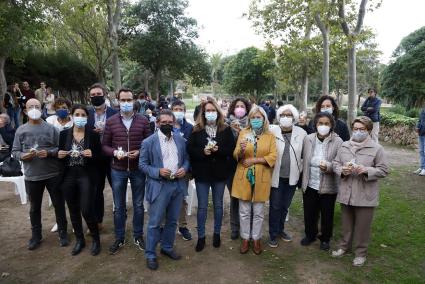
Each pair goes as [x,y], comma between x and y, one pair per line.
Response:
[202,192]
[14,115]
[119,191]
[422,151]
[168,203]
[280,200]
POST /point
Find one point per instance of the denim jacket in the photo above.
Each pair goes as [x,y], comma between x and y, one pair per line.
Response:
[371,108]
[421,123]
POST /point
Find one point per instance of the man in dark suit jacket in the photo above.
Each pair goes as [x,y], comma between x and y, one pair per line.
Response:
[96,121]
[165,162]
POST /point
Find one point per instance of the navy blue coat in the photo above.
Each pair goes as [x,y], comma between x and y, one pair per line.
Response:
[371,108]
[91,120]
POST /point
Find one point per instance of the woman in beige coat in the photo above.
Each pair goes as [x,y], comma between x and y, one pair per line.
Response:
[256,155]
[360,163]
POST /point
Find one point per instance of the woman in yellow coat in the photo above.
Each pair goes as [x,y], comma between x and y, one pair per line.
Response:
[256,154]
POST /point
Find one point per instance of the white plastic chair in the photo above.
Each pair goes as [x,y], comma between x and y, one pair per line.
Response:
[192,199]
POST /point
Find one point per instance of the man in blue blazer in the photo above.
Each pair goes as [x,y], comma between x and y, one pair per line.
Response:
[164,160]
[96,120]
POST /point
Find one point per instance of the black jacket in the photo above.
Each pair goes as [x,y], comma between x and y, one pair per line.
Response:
[218,165]
[91,141]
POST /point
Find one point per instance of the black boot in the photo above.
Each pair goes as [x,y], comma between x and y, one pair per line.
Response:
[79,245]
[95,246]
[63,238]
[200,245]
[216,240]
[35,240]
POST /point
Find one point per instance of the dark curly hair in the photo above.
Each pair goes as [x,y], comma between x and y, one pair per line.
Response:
[319,115]
[334,105]
[233,105]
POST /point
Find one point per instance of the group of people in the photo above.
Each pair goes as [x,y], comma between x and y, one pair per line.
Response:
[158,151]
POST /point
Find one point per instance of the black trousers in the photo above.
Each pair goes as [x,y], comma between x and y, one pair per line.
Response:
[318,205]
[79,195]
[99,201]
[35,190]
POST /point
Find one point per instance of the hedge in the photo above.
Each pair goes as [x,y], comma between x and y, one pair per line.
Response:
[393,119]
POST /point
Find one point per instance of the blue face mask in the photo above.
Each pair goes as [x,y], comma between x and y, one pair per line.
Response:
[256,123]
[126,107]
[79,121]
[327,110]
[211,116]
[62,113]
[179,116]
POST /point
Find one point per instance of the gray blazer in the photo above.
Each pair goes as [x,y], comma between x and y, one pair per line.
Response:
[150,162]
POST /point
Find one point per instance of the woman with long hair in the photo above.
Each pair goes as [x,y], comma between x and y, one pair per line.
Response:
[210,148]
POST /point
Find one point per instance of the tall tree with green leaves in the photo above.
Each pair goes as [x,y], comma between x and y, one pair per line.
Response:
[21,25]
[250,72]
[114,8]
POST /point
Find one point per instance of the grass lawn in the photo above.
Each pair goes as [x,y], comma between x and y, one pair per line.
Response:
[396,252]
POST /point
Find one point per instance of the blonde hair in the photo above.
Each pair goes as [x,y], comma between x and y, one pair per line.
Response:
[366,121]
[253,111]
[201,120]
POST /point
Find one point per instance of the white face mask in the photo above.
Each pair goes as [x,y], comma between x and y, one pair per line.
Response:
[34,114]
[323,130]
[286,122]
[359,136]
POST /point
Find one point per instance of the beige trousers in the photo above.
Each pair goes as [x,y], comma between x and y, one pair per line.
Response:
[356,228]
[246,231]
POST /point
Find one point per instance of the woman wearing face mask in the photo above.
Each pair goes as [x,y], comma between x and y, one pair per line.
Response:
[79,149]
[256,155]
[238,120]
[286,173]
[360,163]
[62,119]
[329,105]
[210,148]
[319,182]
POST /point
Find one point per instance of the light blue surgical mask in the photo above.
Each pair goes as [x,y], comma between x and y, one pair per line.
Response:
[359,136]
[211,116]
[256,123]
[179,116]
[126,107]
[80,121]
[327,110]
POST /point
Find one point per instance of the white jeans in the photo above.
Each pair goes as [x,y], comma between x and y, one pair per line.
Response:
[375,132]
[245,219]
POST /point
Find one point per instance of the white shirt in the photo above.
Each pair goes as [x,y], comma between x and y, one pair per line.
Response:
[170,157]
[318,155]
[53,120]
[127,121]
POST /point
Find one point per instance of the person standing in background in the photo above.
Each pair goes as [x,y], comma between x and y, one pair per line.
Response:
[372,109]
[198,108]
[40,93]
[10,103]
[27,94]
[48,101]
[420,129]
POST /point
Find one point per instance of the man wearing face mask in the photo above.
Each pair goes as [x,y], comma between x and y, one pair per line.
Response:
[165,162]
[184,129]
[144,103]
[36,145]
[371,108]
[96,121]
[124,133]
[286,173]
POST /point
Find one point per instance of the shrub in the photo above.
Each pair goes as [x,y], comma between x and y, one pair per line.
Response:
[393,119]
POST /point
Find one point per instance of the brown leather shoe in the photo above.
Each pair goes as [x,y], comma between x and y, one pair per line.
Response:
[244,246]
[257,247]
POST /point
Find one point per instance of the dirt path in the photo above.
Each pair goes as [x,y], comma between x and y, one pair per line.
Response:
[51,264]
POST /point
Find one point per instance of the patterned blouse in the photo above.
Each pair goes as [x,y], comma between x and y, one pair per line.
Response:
[77,159]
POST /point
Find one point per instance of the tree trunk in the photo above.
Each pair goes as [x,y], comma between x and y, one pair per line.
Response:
[325,69]
[304,87]
[146,81]
[114,15]
[156,80]
[3,83]
[352,83]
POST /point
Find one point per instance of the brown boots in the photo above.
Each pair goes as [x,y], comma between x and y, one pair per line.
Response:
[244,246]
[256,248]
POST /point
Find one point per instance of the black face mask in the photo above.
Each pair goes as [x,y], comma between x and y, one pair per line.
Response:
[166,129]
[97,100]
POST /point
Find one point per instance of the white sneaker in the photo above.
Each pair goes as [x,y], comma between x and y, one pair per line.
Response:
[422,173]
[359,261]
[338,253]
[418,171]
[54,229]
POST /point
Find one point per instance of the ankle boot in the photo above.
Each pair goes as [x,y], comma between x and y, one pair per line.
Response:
[216,240]
[244,246]
[63,238]
[79,245]
[200,245]
[35,240]
[257,247]
[95,246]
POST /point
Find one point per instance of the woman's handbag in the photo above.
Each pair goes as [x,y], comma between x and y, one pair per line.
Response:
[10,168]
